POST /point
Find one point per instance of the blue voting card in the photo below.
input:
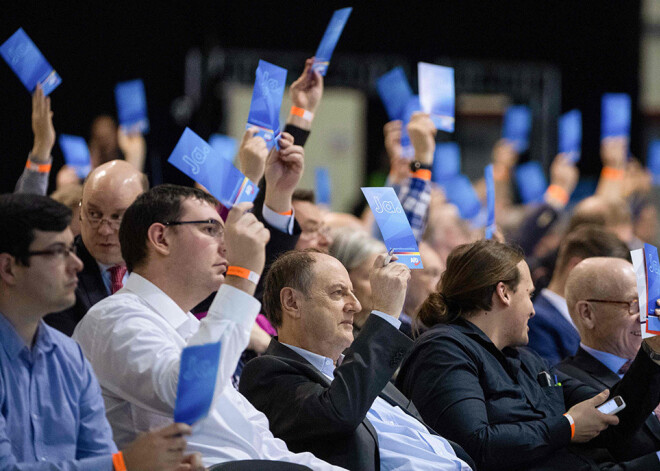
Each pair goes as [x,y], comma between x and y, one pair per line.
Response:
[197,159]
[323,193]
[615,115]
[76,153]
[330,39]
[198,372]
[570,135]
[446,161]
[436,94]
[411,107]
[517,127]
[131,101]
[460,192]
[393,224]
[224,145]
[28,63]
[266,102]
[490,201]
[531,182]
[652,277]
[653,160]
[395,92]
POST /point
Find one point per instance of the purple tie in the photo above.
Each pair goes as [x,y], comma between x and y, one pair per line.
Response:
[117,277]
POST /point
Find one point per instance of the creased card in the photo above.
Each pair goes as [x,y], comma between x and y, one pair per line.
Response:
[195,157]
[460,192]
[330,39]
[446,161]
[76,153]
[517,127]
[615,115]
[224,145]
[266,102]
[490,201]
[131,101]
[436,94]
[570,135]
[395,92]
[639,265]
[323,187]
[198,372]
[28,63]
[531,182]
[393,224]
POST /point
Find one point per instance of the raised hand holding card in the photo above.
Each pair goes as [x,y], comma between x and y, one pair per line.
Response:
[413,105]
[460,192]
[517,127]
[531,182]
[615,115]
[436,94]
[131,101]
[330,39]
[266,102]
[224,145]
[446,161]
[395,92]
[652,288]
[76,153]
[570,135]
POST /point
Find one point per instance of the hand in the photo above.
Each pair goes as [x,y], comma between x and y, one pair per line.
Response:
[66,176]
[42,127]
[284,168]
[252,155]
[614,152]
[505,155]
[259,339]
[589,421]
[564,173]
[637,179]
[307,90]
[191,462]
[388,285]
[158,450]
[246,239]
[399,166]
[134,148]
[422,136]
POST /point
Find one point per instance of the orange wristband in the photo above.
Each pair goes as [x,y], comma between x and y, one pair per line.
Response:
[304,114]
[286,213]
[558,193]
[612,173]
[572,422]
[41,168]
[243,273]
[422,174]
[118,461]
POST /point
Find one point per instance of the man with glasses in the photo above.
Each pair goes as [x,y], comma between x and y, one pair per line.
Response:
[602,298]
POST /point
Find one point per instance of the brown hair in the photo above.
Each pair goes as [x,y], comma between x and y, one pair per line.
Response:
[587,241]
[467,285]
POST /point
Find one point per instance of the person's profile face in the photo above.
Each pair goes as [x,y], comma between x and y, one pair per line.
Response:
[520,309]
[315,233]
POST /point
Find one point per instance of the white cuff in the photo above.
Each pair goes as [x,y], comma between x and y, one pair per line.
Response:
[396,323]
[278,221]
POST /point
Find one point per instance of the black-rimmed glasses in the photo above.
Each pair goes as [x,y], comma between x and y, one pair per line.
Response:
[211,227]
[633,306]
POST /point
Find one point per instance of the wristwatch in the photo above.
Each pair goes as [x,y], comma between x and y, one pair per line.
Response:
[652,354]
[417,165]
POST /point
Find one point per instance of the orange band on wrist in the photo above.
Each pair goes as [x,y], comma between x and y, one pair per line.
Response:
[242,273]
[41,168]
[612,173]
[286,213]
[118,461]
[572,422]
[304,114]
[422,174]
[558,193]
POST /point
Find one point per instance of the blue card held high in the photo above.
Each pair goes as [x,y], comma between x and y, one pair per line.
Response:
[323,193]
[517,127]
[131,101]
[615,115]
[652,278]
[28,63]
[653,160]
[76,153]
[446,161]
[436,94]
[267,101]
[330,39]
[393,224]
[531,182]
[197,159]
[395,92]
[197,376]
[490,201]
[570,135]
[224,145]
[413,105]
[460,193]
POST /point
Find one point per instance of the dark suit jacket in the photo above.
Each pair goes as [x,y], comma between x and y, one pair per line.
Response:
[90,291]
[550,334]
[311,413]
[592,372]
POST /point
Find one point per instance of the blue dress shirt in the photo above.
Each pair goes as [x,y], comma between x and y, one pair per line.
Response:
[52,415]
[611,361]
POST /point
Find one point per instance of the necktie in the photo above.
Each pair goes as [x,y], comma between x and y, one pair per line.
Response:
[624,368]
[117,277]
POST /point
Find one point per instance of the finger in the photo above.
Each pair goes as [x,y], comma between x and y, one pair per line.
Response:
[380,260]
[176,444]
[174,429]
[287,137]
[600,398]
[48,111]
[249,134]
[237,212]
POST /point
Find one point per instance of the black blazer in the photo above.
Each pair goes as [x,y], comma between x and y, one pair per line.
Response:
[90,291]
[590,371]
[311,413]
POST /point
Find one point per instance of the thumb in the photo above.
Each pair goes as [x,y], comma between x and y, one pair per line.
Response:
[238,211]
[249,134]
[600,398]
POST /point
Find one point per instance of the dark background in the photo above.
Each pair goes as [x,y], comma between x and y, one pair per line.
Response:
[94,44]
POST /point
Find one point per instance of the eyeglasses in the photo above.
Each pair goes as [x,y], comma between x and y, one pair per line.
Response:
[61,251]
[317,229]
[633,306]
[211,227]
[95,218]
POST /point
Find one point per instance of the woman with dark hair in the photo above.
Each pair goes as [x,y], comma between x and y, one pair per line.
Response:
[503,404]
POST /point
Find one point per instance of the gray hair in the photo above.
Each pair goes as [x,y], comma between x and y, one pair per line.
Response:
[352,248]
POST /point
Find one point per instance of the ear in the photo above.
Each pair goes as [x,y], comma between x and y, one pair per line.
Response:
[158,238]
[7,269]
[502,294]
[585,314]
[290,302]
[572,262]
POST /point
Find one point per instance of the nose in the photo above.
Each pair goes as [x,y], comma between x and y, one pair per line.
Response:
[75,263]
[105,228]
[354,303]
[222,247]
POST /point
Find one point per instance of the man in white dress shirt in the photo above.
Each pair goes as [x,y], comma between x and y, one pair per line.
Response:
[178,252]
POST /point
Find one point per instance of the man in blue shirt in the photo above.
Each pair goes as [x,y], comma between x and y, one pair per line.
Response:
[51,410]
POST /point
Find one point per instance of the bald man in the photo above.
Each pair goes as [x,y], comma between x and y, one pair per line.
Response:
[601,293]
[108,191]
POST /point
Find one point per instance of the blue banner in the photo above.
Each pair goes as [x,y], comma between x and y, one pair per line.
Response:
[323,186]
[224,145]
[517,127]
[570,135]
[76,153]
[393,224]
[460,192]
[652,278]
[395,92]
[194,157]
[490,201]
[28,63]
[615,115]
[330,39]
[198,372]
[436,94]
[531,182]
[131,101]
[446,161]
[266,102]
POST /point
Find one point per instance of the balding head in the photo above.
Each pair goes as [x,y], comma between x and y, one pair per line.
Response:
[108,191]
[605,322]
